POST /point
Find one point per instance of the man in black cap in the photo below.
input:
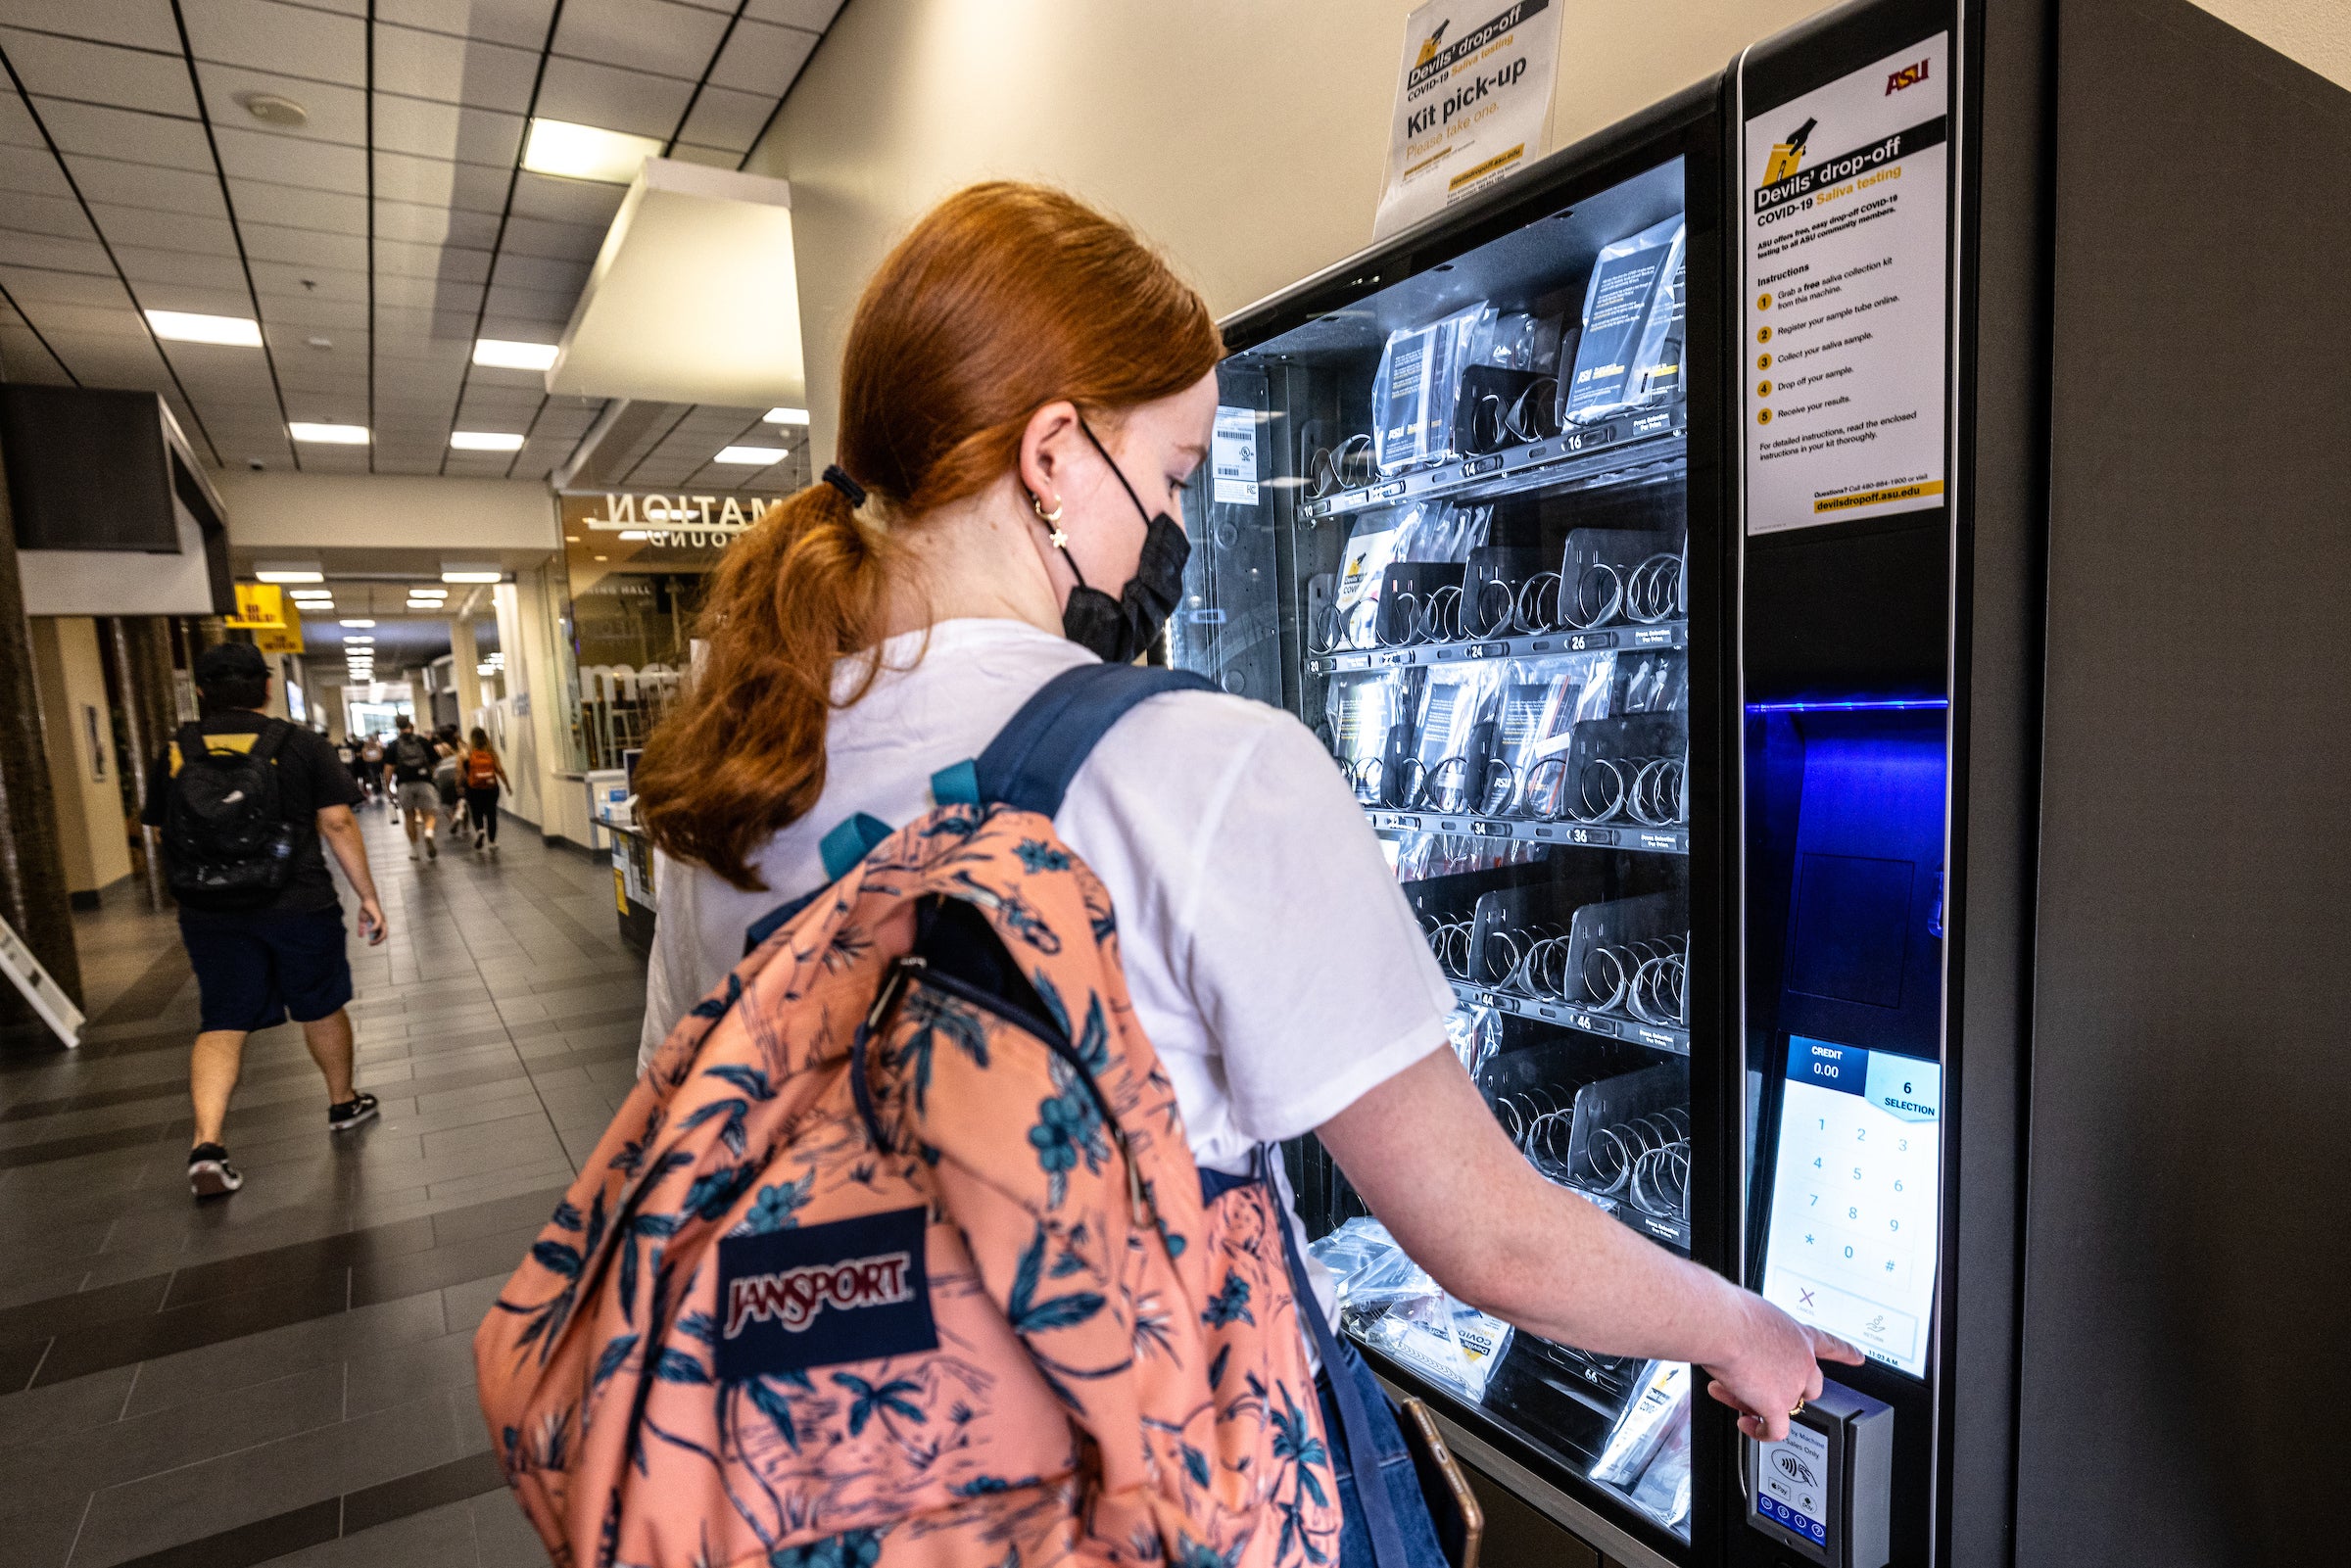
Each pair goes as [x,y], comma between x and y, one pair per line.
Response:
[245,801]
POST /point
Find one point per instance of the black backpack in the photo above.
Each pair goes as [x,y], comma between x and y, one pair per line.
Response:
[412,758]
[229,845]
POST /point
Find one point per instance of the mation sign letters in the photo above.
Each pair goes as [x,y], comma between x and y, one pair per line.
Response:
[1847,271]
[1470,104]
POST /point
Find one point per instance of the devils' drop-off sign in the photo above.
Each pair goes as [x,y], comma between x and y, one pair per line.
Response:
[1471,103]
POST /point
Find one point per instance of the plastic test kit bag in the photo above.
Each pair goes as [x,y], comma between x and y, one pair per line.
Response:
[1413,398]
[1631,279]
[1372,547]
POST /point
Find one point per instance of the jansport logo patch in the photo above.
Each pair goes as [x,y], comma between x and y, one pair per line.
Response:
[853,1290]
[795,1296]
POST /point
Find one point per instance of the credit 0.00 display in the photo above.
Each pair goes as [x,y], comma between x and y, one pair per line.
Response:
[1853,1212]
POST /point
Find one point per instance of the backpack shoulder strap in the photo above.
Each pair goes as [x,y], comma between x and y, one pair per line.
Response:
[270,742]
[1030,762]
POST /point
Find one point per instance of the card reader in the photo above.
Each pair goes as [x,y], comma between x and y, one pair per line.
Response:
[1825,1490]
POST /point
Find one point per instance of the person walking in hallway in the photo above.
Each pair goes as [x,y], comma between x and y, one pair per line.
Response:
[482,773]
[412,758]
[245,802]
[370,771]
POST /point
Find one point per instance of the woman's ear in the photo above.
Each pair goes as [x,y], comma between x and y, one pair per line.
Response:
[1046,451]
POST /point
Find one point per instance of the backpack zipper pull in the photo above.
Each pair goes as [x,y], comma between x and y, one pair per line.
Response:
[892,986]
[1139,1207]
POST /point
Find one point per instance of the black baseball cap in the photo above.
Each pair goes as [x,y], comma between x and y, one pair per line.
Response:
[229,661]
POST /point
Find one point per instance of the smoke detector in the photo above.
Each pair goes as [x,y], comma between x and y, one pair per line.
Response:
[272,110]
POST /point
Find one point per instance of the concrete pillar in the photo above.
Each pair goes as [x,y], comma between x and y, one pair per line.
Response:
[32,868]
[465,659]
[143,698]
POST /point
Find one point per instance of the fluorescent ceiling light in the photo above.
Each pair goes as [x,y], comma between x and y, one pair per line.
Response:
[356,626]
[750,456]
[786,416]
[503,354]
[421,591]
[188,327]
[468,575]
[484,441]
[289,572]
[358,641]
[585,152]
[634,536]
[328,435]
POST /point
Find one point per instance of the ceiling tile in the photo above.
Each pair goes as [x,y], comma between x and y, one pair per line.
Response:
[524,381]
[138,24]
[539,273]
[304,247]
[723,118]
[298,41]
[814,14]
[427,293]
[125,135]
[641,35]
[436,182]
[337,114]
[291,161]
[58,255]
[293,207]
[397,259]
[324,282]
[404,332]
[97,72]
[105,181]
[147,228]
[613,98]
[521,22]
[23,358]
[453,71]
[762,59]
[713,157]
[58,217]
[33,171]
[125,364]
[568,201]
[57,318]
[298,316]
[537,236]
[447,130]
[171,280]
[65,288]
[430,225]
[551,307]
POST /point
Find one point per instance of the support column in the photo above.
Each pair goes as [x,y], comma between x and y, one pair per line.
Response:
[143,697]
[464,662]
[32,868]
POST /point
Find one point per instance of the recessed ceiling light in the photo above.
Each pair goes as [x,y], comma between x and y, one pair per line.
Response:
[356,626]
[187,326]
[504,353]
[750,456]
[571,539]
[288,572]
[489,574]
[484,441]
[427,591]
[604,558]
[634,536]
[328,435]
[786,416]
[320,343]
[586,151]
[271,109]
[356,642]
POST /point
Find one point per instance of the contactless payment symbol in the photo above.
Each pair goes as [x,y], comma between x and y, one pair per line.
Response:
[853,1290]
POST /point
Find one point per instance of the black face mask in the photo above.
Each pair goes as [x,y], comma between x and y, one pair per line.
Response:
[1119,630]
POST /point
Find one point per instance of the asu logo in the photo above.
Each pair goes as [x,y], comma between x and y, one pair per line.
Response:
[1787,156]
[1429,45]
[793,1297]
[1909,76]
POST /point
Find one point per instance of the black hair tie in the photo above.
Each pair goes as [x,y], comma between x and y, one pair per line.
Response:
[841,481]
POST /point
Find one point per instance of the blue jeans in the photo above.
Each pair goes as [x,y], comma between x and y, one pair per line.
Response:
[1395,1461]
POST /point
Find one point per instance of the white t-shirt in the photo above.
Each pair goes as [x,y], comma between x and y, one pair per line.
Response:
[1271,956]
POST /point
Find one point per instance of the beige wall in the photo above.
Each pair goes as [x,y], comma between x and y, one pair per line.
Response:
[89,810]
[1246,138]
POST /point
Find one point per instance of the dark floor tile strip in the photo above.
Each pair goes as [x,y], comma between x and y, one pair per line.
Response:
[407,1495]
[95,1100]
[258,1542]
[80,1352]
[34,1322]
[89,1143]
[152,991]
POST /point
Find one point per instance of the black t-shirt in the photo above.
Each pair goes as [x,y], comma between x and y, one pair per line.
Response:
[310,778]
[411,757]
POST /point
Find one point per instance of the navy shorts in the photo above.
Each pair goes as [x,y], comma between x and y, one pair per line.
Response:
[255,971]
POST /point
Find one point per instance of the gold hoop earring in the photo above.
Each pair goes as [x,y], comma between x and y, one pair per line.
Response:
[1048,518]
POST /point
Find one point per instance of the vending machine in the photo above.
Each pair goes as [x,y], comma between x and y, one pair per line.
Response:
[1830,594]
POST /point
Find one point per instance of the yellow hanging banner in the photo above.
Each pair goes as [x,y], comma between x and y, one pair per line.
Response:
[261,607]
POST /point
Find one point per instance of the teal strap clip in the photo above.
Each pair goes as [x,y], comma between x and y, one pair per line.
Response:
[956,786]
[850,842]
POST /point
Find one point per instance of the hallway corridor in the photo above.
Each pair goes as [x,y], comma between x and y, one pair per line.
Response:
[285,1375]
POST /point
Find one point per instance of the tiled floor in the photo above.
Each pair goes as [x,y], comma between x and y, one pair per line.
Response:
[285,1375]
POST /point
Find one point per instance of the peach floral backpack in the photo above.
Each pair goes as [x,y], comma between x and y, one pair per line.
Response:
[897,1254]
